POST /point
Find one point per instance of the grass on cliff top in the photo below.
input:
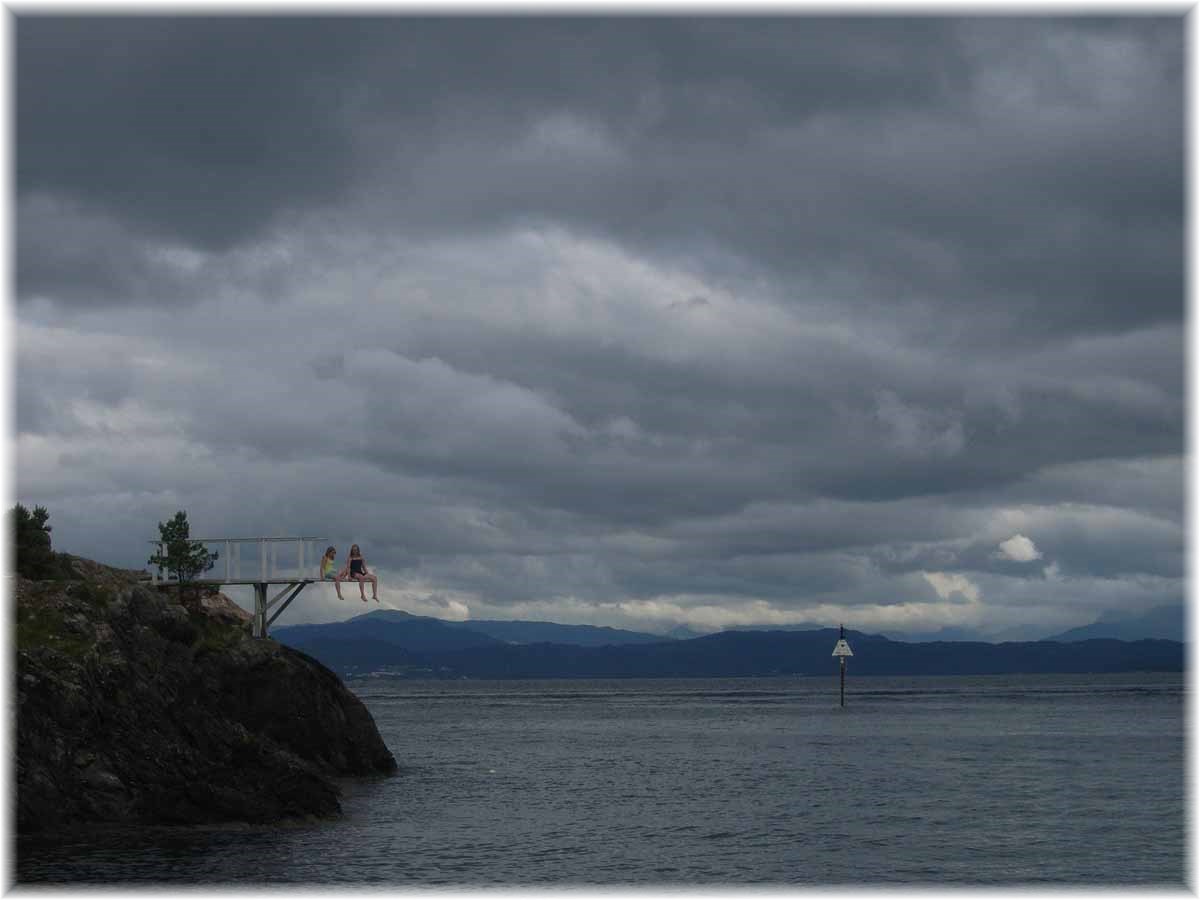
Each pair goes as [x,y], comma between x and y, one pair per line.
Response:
[75,586]
[45,626]
[42,619]
[80,585]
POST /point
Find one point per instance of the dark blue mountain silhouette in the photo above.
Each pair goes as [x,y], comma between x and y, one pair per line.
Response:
[726,654]
[416,634]
[1160,622]
[522,632]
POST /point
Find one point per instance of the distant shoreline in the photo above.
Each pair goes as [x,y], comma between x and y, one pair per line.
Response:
[414,646]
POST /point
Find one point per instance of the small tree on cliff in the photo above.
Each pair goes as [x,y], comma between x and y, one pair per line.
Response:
[181,557]
[31,534]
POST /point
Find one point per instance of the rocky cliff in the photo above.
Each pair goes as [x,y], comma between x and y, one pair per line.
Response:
[137,704]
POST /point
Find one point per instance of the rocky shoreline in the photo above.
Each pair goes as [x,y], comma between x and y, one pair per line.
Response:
[140,705]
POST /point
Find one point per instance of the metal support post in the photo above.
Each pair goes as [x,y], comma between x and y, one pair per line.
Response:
[260,609]
[295,593]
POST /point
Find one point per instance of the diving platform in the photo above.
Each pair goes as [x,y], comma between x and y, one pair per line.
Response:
[290,562]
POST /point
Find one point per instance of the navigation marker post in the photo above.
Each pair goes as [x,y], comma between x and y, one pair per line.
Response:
[842,649]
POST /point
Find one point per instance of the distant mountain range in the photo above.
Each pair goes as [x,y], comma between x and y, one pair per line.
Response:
[960,633]
[683,633]
[519,632]
[423,634]
[426,633]
[424,646]
[1163,622]
[1160,622]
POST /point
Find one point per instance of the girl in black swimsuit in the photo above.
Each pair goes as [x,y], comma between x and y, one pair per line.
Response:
[358,571]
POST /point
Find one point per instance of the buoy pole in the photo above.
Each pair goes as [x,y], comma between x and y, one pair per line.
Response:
[843,682]
[842,649]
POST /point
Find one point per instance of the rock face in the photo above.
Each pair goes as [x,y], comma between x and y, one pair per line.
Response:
[135,704]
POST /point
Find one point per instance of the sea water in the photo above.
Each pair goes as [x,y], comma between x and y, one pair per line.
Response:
[998,781]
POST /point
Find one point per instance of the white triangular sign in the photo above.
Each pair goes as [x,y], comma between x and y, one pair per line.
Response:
[842,649]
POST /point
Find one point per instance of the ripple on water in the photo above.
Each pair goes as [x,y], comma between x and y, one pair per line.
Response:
[979,781]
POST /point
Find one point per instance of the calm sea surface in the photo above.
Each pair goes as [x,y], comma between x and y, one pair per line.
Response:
[968,781]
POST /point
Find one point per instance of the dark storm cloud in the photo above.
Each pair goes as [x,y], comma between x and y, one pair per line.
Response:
[729,436]
[202,129]
[209,129]
[1152,485]
[923,164]
[789,311]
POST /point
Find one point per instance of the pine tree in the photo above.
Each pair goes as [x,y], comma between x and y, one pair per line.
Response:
[35,558]
[181,557]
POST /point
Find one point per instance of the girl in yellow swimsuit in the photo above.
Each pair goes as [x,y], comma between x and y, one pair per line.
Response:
[329,571]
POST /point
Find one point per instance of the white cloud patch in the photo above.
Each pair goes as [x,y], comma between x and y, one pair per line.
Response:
[565,138]
[708,613]
[1020,548]
[949,584]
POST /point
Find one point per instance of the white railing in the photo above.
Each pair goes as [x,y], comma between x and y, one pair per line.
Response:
[260,559]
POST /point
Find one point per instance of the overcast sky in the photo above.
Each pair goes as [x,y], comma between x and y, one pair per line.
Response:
[636,322]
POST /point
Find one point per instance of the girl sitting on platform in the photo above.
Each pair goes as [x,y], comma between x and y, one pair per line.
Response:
[329,571]
[358,571]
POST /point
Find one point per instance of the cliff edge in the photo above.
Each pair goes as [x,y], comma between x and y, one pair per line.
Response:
[136,704]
